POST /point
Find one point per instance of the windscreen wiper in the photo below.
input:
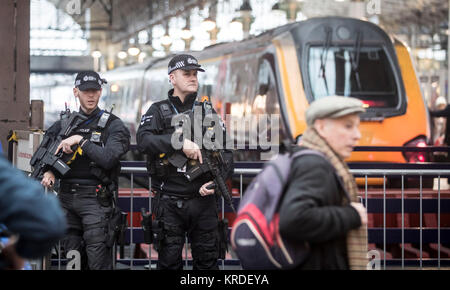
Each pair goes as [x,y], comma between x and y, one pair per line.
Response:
[324,56]
[354,58]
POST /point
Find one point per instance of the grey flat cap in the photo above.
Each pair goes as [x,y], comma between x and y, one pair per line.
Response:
[332,107]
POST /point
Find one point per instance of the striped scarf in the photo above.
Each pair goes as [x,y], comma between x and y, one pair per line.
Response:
[356,239]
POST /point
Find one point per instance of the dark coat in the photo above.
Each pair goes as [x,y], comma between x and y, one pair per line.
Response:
[115,144]
[154,137]
[312,211]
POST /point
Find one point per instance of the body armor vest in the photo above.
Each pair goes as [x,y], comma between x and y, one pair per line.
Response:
[93,130]
[159,165]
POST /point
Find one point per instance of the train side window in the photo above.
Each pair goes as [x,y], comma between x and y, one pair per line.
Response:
[266,100]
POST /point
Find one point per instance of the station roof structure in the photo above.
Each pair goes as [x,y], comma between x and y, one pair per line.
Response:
[113,26]
[124,18]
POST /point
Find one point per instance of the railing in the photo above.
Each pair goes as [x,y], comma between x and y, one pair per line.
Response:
[383,202]
[430,205]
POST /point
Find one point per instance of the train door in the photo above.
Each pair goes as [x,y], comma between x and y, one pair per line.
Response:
[266,102]
[267,99]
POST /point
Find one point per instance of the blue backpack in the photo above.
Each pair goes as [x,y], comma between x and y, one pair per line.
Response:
[255,233]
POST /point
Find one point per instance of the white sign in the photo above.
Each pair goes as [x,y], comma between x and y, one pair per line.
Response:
[26,149]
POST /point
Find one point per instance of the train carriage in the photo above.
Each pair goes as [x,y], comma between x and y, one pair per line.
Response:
[283,70]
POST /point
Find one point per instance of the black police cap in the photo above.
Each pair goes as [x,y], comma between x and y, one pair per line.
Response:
[89,80]
[184,62]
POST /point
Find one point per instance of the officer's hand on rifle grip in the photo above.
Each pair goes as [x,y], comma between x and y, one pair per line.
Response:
[207,189]
[191,150]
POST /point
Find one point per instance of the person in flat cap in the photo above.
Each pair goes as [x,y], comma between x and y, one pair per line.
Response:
[320,205]
[89,190]
[181,206]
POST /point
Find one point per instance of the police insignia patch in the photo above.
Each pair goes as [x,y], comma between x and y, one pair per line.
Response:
[145,119]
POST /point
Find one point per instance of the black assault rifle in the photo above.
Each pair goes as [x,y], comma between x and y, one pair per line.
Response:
[45,158]
[213,158]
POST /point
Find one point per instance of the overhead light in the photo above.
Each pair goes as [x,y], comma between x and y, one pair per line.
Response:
[236,24]
[186,33]
[122,54]
[166,40]
[96,54]
[114,88]
[133,51]
[208,24]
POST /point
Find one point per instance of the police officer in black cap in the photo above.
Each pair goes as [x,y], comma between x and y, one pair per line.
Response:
[181,206]
[88,189]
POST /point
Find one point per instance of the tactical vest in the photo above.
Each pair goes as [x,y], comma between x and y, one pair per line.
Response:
[159,166]
[93,130]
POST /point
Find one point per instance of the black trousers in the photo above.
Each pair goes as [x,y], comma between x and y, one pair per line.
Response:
[198,218]
[87,228]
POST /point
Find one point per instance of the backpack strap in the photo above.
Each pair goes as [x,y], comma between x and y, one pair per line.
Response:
[307,152]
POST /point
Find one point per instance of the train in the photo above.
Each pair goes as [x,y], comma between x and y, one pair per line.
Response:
[281,71]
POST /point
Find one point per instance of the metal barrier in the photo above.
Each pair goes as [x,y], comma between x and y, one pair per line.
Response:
[133,204]
[378,202]
[409,235]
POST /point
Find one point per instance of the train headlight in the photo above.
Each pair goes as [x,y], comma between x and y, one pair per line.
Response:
[416,156]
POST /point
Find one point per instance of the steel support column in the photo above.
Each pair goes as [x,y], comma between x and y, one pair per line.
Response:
[14,67]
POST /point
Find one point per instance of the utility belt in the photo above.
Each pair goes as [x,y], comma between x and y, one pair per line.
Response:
[79,188]
[104,196]
[174,196]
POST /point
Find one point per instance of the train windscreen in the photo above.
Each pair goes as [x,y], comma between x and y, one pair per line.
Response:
[361,72]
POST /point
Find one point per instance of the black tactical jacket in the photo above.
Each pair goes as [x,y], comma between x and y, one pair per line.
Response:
[114,143]
[154,138]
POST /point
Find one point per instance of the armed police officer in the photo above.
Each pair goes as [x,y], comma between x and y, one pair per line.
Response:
[89,189]
[182,205]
